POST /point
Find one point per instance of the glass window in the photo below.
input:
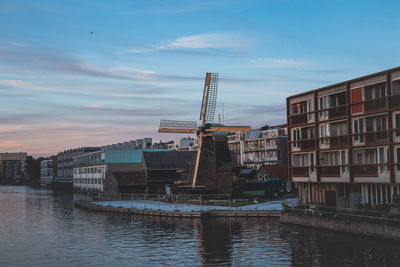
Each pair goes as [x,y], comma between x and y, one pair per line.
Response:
[397,116]
[398,158]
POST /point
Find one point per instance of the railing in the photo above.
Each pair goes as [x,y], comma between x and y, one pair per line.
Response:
[375,137]
[298,119]
[394,101]
[307,144]
[300,172]
[337,112]
[338,141]
[329,171]
[370,170]
[374,105]
[162,202]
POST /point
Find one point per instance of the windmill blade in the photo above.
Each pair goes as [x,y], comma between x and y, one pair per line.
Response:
[228,129]
[209,102]
[174,126]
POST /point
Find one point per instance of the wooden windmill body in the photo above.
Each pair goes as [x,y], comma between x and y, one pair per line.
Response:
[212,162]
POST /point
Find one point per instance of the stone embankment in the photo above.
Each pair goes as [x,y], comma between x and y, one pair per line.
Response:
[378,227]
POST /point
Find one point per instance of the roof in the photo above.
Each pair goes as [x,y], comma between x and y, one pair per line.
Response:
[167,160]
[247,171]
[275,170]
[131,178]
[126,155]
[343,83]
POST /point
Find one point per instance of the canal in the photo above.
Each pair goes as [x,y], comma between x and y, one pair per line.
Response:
[39,227]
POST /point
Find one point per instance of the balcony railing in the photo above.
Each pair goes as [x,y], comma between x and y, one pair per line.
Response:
[329,171]
[370,170]
[338,141]
[337,112]
[300,172]
[298,119]
[394,101]
[374,105]
[376,137]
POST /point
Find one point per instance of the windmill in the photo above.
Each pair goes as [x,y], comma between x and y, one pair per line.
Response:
[207,158]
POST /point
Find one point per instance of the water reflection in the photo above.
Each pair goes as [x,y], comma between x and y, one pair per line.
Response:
[42,228]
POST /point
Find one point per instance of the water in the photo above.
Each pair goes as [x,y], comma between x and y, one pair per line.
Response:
[41,228]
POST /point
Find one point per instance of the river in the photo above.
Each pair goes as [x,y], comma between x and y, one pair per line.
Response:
[39,227]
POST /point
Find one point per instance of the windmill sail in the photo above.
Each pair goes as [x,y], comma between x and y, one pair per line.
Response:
[209,101]
[174,126]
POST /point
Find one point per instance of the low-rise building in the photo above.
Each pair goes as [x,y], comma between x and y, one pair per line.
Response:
[91,169]
[12,167]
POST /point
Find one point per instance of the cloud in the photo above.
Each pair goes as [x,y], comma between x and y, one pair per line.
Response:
[277,63]
[208,41]
[34,61]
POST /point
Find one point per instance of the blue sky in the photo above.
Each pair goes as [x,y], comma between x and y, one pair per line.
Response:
[62,86]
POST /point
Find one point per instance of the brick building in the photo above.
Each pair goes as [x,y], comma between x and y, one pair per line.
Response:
[344,141]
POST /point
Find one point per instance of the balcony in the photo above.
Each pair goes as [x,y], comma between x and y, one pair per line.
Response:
[376,137]
[394,101]
[338,141]
[329,171]
[375,105]
[368,170]
[300,172]
[298,119]
[337,112]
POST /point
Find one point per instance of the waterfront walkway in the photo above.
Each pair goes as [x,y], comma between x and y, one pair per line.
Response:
[275,205]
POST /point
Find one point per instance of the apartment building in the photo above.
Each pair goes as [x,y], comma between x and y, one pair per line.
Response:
[344,141]
[12,167]
[46,172]
[65,163]
[90,169]
[260,147]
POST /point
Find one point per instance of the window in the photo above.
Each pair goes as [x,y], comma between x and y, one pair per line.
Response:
[398,158]
[397,124]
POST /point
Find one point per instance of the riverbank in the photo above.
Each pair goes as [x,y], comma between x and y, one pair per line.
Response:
[384,227]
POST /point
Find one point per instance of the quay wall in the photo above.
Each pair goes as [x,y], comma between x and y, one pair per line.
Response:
[182,214]
[377,229]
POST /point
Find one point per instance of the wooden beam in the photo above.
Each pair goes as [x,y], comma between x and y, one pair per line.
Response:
[228,129]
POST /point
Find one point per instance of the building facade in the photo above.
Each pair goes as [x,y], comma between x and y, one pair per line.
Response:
[65,164]
[344,141]
[260,147]
[12,167]
[90,169]
[46,172]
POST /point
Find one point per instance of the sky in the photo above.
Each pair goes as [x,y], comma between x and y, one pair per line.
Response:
[88,73]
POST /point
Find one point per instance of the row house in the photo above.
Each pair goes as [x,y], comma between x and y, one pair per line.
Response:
[259,147]
[344,141]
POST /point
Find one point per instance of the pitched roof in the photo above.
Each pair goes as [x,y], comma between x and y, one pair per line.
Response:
[130,178]
[275,170]
[167,160]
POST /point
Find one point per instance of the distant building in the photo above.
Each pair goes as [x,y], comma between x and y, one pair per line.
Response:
[46,172]
[12,167]
[91,169]
[260,147]
[144,143]
[65,162]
